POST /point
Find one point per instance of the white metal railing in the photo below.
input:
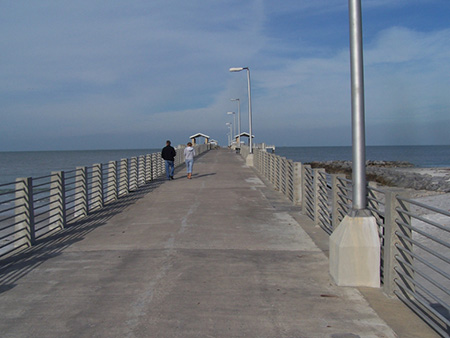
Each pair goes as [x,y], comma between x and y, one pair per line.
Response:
[415,237]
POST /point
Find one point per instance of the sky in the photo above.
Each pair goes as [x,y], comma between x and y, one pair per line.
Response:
[110,74]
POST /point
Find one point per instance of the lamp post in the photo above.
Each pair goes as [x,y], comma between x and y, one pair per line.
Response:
[357,235]
[239,121]
[234,122]
[249,103]
[358,124]
[230,126]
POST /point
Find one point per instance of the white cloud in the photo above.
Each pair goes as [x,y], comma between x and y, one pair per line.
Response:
[81,68]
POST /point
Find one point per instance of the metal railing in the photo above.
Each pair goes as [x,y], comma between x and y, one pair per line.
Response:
[281,172]
[414,237]
[422,262]
[33,208]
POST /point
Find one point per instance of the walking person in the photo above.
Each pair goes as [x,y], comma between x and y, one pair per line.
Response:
[168,153]
[189,153]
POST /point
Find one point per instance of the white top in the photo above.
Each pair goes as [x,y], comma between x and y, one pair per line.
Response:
[189,153]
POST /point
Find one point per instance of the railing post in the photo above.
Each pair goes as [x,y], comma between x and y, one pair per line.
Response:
[335,199]
[57,201]
[123,177]
[112,182]
[141,171]
[284,176]
[317,184]
[390,240]
[258,153]
[298,183]
[81,200]
[278,172]
[133,174]
[97,187]
[153,157]
[304,183]
[270,168]
[148,168]
[157,163]
[162,167]
[264,164]
[24,232]
[290,180]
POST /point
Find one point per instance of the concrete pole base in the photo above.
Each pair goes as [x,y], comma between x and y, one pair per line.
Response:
[249,160]
[355,252]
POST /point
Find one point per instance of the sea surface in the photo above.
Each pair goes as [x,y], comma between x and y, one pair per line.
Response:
[41,163]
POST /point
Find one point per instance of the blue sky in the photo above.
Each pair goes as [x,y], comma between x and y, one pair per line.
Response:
[115,74]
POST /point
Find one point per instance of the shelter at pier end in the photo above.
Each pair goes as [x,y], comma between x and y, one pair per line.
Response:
[244,134]
[195,136]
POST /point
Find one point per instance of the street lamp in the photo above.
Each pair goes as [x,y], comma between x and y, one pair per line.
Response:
[239,120]
[249,103]
[234,122]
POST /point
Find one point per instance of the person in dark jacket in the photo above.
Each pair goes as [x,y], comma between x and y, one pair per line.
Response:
[168,153]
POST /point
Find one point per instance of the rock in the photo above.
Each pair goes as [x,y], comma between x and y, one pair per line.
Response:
[390,173]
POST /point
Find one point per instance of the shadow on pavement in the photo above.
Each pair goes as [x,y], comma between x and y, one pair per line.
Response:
[19,265]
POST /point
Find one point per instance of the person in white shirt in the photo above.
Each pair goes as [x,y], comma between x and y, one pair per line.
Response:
[189,153]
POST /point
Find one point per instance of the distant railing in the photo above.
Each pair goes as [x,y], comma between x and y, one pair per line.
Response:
[33,208]
[414,237]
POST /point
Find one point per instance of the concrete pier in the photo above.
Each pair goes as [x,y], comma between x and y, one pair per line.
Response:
[220,255]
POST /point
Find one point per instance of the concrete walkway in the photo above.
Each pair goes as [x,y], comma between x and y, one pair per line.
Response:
[216,256]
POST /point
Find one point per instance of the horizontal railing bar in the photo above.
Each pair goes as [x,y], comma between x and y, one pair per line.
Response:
[425,262]
[42,177]
[423,233]
[12,242]
[9,192]
[423,247]
[40,185]
[11,208]
[13,216]
[425,206]
[10,200]
[425,220]
[422,274]
[425,316]
[47,232]
[6,184]
[421,287]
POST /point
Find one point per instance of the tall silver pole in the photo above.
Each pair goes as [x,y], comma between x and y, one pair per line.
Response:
[239,122]
[249,110]
[358,123]
[234,125]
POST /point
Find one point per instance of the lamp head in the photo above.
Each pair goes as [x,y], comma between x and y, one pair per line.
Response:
[237,69]
[230,113]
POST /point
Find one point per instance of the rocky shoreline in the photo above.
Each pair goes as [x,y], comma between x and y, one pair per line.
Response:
[395,174]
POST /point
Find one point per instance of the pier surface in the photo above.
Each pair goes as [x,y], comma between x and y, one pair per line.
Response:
[220,255]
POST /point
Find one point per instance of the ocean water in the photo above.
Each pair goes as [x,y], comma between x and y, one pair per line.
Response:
[419,156]
[42,163]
